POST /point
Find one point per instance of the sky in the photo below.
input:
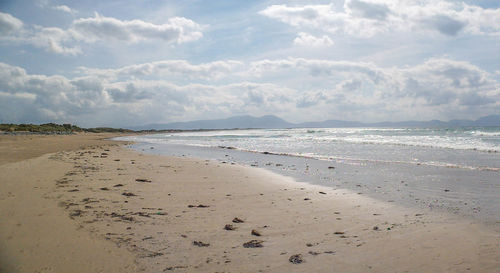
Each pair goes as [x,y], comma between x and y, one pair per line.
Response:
[128,63]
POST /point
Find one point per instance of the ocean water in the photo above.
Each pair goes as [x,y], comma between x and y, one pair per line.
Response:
[451,169]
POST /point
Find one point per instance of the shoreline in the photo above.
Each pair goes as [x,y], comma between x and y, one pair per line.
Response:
[181,204]
[442,189]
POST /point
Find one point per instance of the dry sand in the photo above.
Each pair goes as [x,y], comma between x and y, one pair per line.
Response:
[67,212]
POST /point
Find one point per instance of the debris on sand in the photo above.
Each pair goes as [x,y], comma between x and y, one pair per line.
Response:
[200,244]
[229,227]
[76,213]
[104,189]
[321,192]
[128,194]
[199,206]
[339,232]
[238,220]
[253,244]
[296,259]
[140,213]
[118,185]
[255,232]
[174,267]
[142,180]
[121,216]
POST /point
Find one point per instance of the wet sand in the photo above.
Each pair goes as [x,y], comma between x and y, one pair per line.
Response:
[121,211]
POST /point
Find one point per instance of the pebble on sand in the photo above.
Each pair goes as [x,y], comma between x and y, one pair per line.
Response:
[296,259]
[142,180]
[229,227]
[253,244]
[255,232]
[200,244]
[238,220]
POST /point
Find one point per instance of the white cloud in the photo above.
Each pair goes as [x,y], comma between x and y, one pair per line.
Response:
[53,97]
[54,40]
[65,8]
[9,23]
[316,68]
[367,18]
[437,88]
[305,39]
[212,70]
[178,30]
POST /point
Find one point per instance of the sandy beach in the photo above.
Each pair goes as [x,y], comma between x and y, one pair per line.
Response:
[83,204]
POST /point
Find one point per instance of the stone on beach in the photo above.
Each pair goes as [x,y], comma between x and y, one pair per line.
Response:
[200,244]
[238,220]
[128,194]
[296,259]
[198,206]
[229,227]
[142,180]
[255,233]
[253,244]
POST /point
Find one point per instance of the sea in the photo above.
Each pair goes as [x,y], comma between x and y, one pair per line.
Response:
[454,170]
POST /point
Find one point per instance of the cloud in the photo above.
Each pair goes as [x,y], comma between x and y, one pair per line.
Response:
[311,99]
[433,83]
[9,23]
[53,97]
[95,29]
[316,68]
[309,15]
[211,70]
[445,24]
[444,81]
[436,88]
[369,10]
[84,99]
[305,39]
[367,18]
[177,30]
[54,40]
[65,8]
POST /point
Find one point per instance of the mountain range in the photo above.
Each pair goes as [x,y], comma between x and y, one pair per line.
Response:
[274,122]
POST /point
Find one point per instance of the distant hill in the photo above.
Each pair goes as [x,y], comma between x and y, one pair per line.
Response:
[273,122]
[493,120]
[265,122]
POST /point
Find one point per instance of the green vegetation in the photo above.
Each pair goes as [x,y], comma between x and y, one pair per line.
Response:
[108,130]
[42,128]
[48,128]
